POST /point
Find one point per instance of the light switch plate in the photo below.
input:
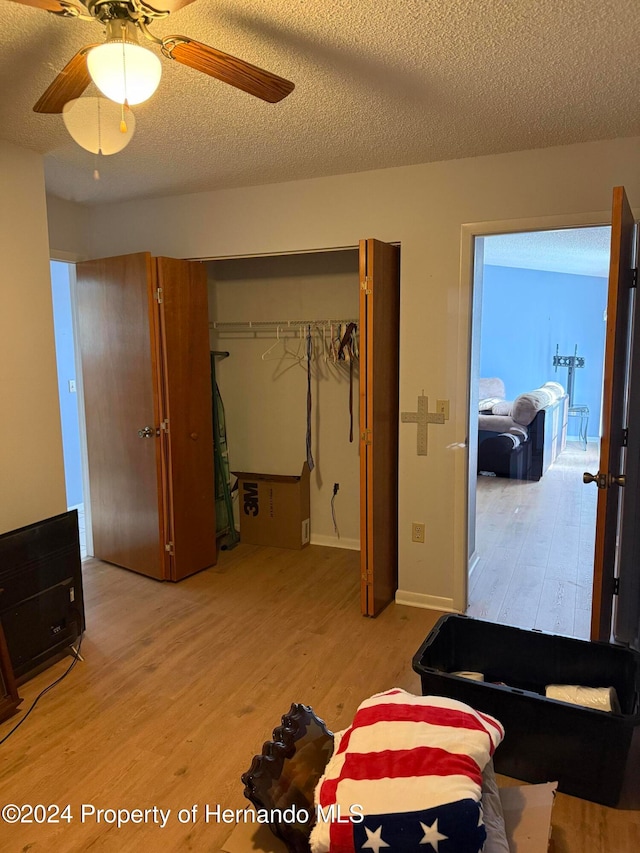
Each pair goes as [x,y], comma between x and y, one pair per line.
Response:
[442,408]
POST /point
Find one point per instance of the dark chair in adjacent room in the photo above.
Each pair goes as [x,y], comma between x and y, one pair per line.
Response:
[287,771]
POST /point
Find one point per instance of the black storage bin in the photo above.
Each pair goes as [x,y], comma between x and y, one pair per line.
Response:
[583,749]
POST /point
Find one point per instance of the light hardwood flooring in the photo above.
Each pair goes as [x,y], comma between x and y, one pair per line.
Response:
[181,684]
[535,546]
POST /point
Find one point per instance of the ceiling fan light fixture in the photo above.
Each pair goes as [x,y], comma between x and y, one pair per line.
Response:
[94,123]
[124,71]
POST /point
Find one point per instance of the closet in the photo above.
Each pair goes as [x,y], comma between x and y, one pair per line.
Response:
[145,337]
[282,319]
[143,342]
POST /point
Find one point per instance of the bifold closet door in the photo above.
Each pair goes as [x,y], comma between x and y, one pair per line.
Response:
[144,344]
[379,384]
[188,436]
[119,348]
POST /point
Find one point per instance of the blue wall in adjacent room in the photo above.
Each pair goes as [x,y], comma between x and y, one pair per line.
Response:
[525,314]
[62,318]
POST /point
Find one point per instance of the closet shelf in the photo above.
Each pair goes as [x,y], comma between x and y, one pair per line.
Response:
[265,325]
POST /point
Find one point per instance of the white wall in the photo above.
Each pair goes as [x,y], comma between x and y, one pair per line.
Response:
[265,400]
[424,208]
[31,465]
[68,229]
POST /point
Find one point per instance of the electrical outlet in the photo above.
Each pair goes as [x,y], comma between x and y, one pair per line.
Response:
[417,532]
[442,408]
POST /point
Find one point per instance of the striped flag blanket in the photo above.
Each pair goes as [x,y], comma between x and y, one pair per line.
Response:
[406,777]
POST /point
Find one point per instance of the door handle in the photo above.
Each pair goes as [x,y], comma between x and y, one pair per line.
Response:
[603,481]
[146,432]
[599,479]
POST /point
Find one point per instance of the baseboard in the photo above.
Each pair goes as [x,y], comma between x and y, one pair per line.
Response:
[334,542]
[428,602]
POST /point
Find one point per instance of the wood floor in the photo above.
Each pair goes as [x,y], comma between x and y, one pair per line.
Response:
[535,544]
[181,684]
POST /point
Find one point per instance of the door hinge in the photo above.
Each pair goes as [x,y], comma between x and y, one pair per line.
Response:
[625,437]
[164,426]
[365,436]
[159,295]
[616,586]
[169,547]
[634,280]
[365,285]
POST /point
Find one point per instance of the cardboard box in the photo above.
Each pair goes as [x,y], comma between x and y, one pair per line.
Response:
[527,817]
[274,509]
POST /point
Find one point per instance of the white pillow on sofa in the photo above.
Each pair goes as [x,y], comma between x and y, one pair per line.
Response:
[527,406]
[487,403]
[502,407]
[491,386]
[555,389]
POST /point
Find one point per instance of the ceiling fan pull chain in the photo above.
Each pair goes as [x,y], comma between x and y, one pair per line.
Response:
[123,126]
[96,173]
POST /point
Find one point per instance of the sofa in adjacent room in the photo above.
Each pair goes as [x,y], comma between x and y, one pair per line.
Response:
[520,438]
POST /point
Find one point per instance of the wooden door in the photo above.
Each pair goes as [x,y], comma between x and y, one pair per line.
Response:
[613,409]
[379,382]
[187,431]
[627,611]
[119,352]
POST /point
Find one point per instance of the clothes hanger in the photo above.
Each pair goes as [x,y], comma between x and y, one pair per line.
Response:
[286,354]
[301,352]
[266,354]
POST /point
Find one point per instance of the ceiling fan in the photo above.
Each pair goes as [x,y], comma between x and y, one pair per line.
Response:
[116,75]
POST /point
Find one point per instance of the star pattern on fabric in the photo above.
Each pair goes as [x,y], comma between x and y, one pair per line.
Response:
[431,835]
[374,840]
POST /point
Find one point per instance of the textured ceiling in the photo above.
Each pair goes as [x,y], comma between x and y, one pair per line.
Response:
[579,251]
[379,83]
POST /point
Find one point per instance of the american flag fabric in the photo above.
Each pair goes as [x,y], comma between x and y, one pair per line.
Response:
[412,766]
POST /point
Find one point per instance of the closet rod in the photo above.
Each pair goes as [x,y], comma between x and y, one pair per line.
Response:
[265,324]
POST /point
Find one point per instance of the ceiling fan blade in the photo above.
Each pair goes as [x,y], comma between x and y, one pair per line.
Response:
[69,84]
[251,79]
[168,5]
[59,6]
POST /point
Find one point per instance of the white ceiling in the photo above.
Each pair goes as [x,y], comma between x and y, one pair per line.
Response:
[379,83]
[579,251]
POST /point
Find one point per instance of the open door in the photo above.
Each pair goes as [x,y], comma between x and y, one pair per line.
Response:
[144,344]
[119,352]
[188,442]
[627,612]
[610,477]
[379,383]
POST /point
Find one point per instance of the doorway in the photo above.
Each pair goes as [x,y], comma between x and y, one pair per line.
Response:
[62,276]
[539,316]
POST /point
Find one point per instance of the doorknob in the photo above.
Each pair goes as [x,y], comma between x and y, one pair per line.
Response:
[146,432]
[599,479]
[602,481]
